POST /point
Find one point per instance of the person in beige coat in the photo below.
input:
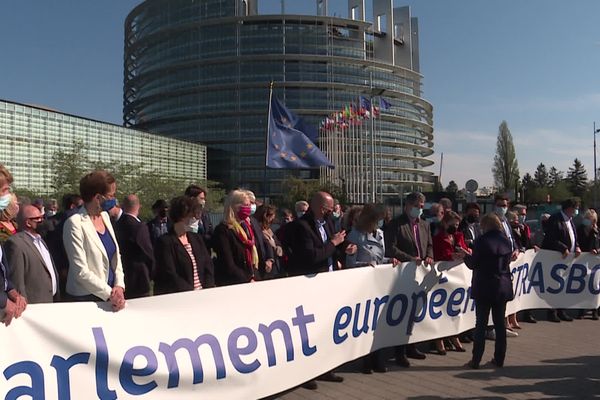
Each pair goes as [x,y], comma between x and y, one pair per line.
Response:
[95,269]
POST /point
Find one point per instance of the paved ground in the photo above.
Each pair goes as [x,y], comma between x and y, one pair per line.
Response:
[547,361]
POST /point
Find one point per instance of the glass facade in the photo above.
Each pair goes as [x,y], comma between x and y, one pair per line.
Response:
[29,136]
[200,71]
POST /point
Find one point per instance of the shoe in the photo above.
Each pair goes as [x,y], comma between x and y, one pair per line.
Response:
[367,371]
[310,385]
[595,315]
[381,369]
[490,335]
[471,364]
[402,361]
[413,352]
[465,339]
[516,326]
[441,352]
[459,349]
[331,377]
[529,319]
[564,316]
[552,317]
[496,364]
[511,333]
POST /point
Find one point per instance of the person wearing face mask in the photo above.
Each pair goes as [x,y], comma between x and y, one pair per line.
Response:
[337,215]
[501,208]
[301,207]
[9,205]
[561,235]
[202,224]
[95,269]
[136,249]
[160,224]
[32,269]
[12,304]
[234,242]
[589,240]
[368,238]
[449,245]
[469,226]
[436,214]
[408,239]
[182,260]
[266,256]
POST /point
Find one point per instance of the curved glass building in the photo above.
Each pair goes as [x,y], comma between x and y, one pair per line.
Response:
[199,70]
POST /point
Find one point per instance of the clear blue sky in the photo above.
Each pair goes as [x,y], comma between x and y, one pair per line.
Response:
[532,63]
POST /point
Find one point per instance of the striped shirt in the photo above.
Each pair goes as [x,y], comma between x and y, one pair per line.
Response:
[197,284]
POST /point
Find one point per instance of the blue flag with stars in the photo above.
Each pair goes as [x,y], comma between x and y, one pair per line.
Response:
[287,146]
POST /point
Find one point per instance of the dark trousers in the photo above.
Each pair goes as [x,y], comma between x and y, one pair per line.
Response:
[482,314]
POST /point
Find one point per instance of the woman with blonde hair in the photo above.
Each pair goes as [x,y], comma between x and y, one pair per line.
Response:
[589,240]
[234,242]
[8,227]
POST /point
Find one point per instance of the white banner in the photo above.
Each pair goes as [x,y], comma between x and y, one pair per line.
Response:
[253,340]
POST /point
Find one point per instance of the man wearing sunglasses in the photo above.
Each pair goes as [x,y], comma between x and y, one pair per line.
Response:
[32,269]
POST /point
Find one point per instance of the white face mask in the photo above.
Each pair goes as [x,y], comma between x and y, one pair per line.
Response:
[192,225]
[380,224]
[5,201]
[299,214]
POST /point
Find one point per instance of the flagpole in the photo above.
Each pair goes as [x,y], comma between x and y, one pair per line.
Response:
[267,142]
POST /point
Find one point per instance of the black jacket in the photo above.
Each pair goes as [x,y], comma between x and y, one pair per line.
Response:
[174,269]
[557,234]
[231,266]
[490,263]
[137,255]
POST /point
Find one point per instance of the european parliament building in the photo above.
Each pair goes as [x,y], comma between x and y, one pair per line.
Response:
[30,136]
[199,70]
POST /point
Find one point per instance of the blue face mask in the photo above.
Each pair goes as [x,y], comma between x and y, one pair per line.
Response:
[501,211]
[108,204]
[380,224]
[416,212]
[252,209]
[586,222]
[5,201]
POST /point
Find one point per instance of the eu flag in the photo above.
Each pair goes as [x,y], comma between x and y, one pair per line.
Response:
[287,146]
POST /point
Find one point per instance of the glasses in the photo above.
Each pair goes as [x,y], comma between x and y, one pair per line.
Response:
[36,219]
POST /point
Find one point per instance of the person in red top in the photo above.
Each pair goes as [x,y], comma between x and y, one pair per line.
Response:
[449,245]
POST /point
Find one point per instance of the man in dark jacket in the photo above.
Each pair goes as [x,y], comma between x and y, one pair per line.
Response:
[136,249]
[561,235]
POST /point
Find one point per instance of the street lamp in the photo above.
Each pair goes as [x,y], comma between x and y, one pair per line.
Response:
[595,168]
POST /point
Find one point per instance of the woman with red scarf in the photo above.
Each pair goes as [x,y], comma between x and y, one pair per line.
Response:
[234,242]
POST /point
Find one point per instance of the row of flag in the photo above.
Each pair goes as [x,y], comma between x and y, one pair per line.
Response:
[354,114]
[290,142]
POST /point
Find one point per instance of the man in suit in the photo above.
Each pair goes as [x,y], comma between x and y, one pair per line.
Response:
[316,247]
[408,238]
[136,249]
[561,235]
[469,225]
[32,269]
[159,225]
[12,304]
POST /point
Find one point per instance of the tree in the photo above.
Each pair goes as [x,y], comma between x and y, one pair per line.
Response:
[554,177]
[452,187]
[296,189]
[68,167]
[577,179]
[540,176]
[506,167]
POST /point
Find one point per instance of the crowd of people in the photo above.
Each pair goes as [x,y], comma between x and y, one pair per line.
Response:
[97,249]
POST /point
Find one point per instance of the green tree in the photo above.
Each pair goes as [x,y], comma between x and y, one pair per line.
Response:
[296,189]
[68,167]
[452,187]
[540,175]
[554,177]
[506,167]
[577,179]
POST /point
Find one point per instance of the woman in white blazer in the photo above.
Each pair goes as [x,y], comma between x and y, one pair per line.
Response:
[95,270]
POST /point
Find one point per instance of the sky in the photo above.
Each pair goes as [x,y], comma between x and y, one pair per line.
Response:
[533,63]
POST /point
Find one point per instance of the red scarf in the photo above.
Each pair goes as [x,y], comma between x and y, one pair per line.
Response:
[246,236]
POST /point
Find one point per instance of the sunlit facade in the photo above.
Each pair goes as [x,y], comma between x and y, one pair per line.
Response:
[200,71]
[30,136]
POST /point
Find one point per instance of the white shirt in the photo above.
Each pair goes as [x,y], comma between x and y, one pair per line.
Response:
[39,244]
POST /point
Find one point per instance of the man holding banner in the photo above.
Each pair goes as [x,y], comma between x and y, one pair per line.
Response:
[408,238]
[561,236]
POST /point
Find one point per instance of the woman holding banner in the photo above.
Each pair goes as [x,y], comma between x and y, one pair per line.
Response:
[367,235]
[491,287]
[95,269]
[589,240]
